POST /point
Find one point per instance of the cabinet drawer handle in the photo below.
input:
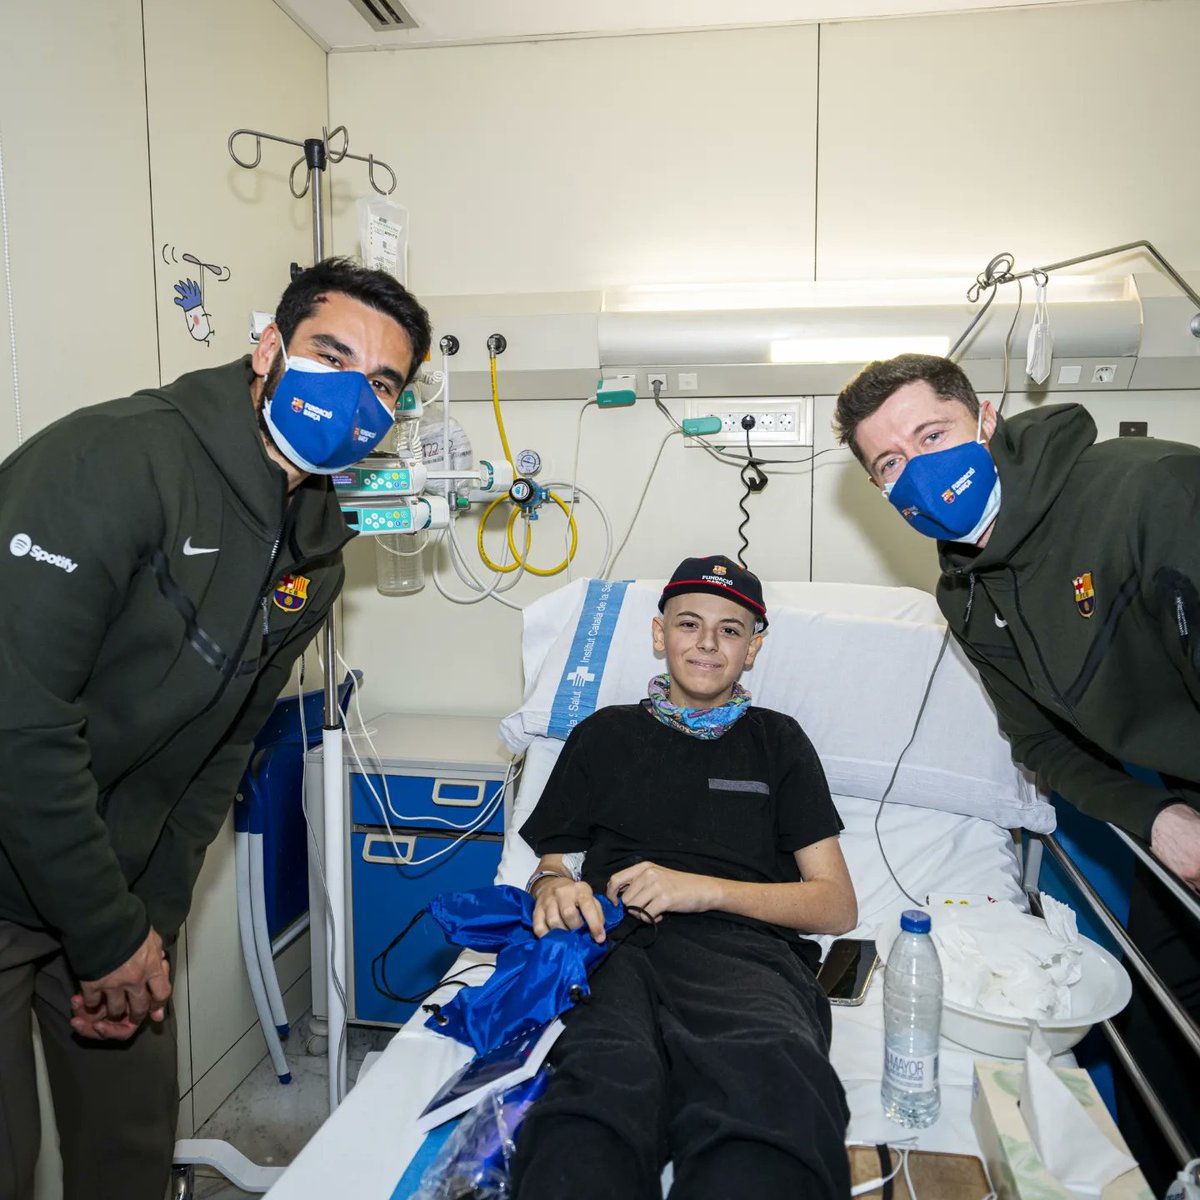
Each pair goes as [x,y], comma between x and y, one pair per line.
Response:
[475,801]
[400,848]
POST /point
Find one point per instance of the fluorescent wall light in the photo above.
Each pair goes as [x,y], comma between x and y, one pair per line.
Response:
[841,293]
[854,349]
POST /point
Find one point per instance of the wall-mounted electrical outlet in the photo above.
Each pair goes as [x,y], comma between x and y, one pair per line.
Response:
[786,422]
[660,376]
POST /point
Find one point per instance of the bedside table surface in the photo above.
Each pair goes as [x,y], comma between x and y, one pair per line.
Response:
[429,741]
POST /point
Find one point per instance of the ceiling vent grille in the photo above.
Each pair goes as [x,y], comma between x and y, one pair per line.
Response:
[385,14]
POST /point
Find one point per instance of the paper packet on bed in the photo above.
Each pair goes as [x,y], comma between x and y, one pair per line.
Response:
[504,1067]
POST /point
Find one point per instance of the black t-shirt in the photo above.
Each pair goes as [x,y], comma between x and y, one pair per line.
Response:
[627,788]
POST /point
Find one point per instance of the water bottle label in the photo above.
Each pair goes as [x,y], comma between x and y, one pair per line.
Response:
[911,1072]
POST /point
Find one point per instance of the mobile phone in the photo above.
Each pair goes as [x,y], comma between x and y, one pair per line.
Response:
[846,972]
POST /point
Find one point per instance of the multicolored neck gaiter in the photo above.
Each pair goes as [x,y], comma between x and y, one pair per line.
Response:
[707,723]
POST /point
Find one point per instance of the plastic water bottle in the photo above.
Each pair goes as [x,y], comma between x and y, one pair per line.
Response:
[912,1021]
[1187,1183]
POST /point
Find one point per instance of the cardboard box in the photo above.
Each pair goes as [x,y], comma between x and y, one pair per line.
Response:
[1012,1160]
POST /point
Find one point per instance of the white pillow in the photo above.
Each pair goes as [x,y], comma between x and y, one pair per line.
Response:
[851,675]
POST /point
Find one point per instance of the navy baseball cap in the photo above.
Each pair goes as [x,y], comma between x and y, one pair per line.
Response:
[717,575]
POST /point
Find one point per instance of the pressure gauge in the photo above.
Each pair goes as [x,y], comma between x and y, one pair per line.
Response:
[528,462]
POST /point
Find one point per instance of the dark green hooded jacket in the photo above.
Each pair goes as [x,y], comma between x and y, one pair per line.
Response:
[1087,675]
[147,627]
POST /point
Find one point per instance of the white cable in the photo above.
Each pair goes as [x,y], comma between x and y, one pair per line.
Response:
[641,500]
[608,530]
[517,575]
[478,822]
[1007,340]
[412,440]
[402,553]
[464,573]
[446,538]
[450,537]
[574,480]
[468,576]
[870,1185]
[902,1146]
[912,1191]
[472,822]
[12,319]
[446,462]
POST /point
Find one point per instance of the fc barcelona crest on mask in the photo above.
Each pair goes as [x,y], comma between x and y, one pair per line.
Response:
[292,593]
[1085,594]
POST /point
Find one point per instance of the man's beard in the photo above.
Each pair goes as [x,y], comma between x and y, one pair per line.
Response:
[270,383]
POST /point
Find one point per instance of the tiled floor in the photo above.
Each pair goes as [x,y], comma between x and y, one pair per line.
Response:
[269,1122]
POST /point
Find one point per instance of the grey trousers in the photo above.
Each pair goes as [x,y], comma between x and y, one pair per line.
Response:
[116,1104]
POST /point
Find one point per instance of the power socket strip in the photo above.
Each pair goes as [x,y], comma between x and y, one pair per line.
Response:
[776,422]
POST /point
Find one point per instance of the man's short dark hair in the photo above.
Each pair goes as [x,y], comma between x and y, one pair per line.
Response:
[867,392]
[375,289]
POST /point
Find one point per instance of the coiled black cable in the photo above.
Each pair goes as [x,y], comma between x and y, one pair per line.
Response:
[754,479]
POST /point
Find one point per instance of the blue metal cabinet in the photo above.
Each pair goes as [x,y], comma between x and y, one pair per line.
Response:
[387,894]
[425,800]
[420,801]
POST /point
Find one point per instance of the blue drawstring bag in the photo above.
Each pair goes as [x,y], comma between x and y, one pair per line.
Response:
[535,979]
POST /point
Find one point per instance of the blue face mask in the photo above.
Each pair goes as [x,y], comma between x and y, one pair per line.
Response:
[322,419]
[952,495]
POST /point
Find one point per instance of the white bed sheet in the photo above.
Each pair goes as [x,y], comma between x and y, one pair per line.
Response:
[371,1139]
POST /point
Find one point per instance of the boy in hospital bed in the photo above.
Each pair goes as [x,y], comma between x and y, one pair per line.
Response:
[705,1040]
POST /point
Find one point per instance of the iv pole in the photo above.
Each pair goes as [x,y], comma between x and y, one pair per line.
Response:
[318,156]
[1000,270]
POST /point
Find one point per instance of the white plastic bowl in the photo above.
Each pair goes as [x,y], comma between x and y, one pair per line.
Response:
[1101,992]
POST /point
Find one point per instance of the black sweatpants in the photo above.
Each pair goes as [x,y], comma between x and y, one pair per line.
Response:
[707,1046]
[1166,934]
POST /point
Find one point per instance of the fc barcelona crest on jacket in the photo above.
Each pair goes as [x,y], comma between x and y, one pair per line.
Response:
[1085,594]
[292,593]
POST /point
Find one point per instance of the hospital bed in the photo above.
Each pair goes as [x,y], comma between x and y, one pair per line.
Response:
[852,664]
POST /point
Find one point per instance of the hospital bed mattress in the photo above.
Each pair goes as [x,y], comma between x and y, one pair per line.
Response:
[371,1137]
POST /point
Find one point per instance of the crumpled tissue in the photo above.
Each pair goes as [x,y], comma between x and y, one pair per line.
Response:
[1071,1145]
[1003,961]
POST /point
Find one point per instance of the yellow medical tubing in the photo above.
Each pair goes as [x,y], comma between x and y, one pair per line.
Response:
[519,559]
[499,418]
[487,562]
[570,553]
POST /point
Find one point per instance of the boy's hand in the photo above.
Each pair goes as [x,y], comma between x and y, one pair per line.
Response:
[657,890]
[565,904]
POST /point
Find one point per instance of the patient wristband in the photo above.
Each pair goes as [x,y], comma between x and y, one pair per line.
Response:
[544,875]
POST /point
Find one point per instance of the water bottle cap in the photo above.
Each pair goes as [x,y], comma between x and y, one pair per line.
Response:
[912,920]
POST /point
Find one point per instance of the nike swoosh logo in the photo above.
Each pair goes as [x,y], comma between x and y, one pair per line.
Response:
[999,623]
[188,548]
